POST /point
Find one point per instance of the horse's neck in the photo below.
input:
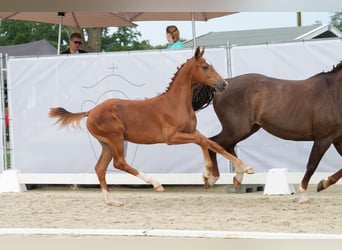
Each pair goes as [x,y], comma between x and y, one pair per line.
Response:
[180,89]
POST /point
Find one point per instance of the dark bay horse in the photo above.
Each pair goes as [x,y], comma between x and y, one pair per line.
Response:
[303,110]
[167,118]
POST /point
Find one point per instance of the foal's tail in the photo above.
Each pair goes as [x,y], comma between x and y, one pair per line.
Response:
[66,118]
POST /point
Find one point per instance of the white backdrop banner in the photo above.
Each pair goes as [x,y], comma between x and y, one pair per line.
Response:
[297,60]
[78,83]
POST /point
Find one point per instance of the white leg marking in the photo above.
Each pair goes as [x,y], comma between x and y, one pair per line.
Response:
[210,179]
[243,168]
[303,196]
[111,202]
[156,185]
[239,176]
[301,189]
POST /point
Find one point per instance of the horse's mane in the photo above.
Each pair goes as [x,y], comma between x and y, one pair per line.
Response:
[336,68]
[174,76]
[202,96]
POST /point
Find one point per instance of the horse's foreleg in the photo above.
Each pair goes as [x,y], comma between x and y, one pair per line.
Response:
[316,154]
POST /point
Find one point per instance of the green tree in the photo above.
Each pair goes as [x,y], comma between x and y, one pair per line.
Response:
[336,20]
[123,39]
[13,32]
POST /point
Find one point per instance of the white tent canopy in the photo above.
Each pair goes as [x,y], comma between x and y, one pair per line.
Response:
[171,6]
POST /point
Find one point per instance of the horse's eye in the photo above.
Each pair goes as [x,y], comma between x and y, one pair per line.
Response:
[205,67]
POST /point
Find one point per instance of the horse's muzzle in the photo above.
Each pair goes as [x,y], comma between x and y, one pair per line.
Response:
[221,85]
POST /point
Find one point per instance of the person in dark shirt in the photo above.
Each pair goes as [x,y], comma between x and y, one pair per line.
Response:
[74,44]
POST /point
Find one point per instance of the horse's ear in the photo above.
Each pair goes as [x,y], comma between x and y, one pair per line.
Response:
[197,53]
[202,52]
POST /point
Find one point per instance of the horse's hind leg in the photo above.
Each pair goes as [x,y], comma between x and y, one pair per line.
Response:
[232,132]
[324,184]
[209,176]
[100,169]
[317,152]
[332,179]
[239,166]
[121,164]
[213,155]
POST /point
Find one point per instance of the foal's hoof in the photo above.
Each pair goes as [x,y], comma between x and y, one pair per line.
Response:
[304,200]
[249,171]
[212,180]
[159,188]
[206,182]
[115,203]
[209,181]
[321,186]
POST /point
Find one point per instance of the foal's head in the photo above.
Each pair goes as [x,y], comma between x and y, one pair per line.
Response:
[203,72]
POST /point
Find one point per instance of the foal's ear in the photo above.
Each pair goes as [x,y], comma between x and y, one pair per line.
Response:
[202,52]
[199,53]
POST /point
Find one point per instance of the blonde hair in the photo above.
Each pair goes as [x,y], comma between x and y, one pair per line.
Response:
[172,29]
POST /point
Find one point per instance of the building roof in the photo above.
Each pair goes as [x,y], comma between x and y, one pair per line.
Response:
[262,36]
[41,47]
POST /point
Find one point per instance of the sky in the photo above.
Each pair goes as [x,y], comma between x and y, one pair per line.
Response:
[154,31]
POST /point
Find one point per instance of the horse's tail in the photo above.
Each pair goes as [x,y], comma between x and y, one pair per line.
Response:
[66,118]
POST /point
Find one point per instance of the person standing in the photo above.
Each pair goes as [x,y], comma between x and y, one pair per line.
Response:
[74,44]
[173,36]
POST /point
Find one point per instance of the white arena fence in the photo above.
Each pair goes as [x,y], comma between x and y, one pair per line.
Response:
[46,155]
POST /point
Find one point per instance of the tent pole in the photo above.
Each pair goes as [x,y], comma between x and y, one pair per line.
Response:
[193,29]
[3,112]
[60,15]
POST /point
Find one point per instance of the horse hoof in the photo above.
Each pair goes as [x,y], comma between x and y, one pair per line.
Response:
[249,171]
[236,183]
[212,180]
[320,186]
[206,182]
[304,200]
[159,188]
[115,203]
